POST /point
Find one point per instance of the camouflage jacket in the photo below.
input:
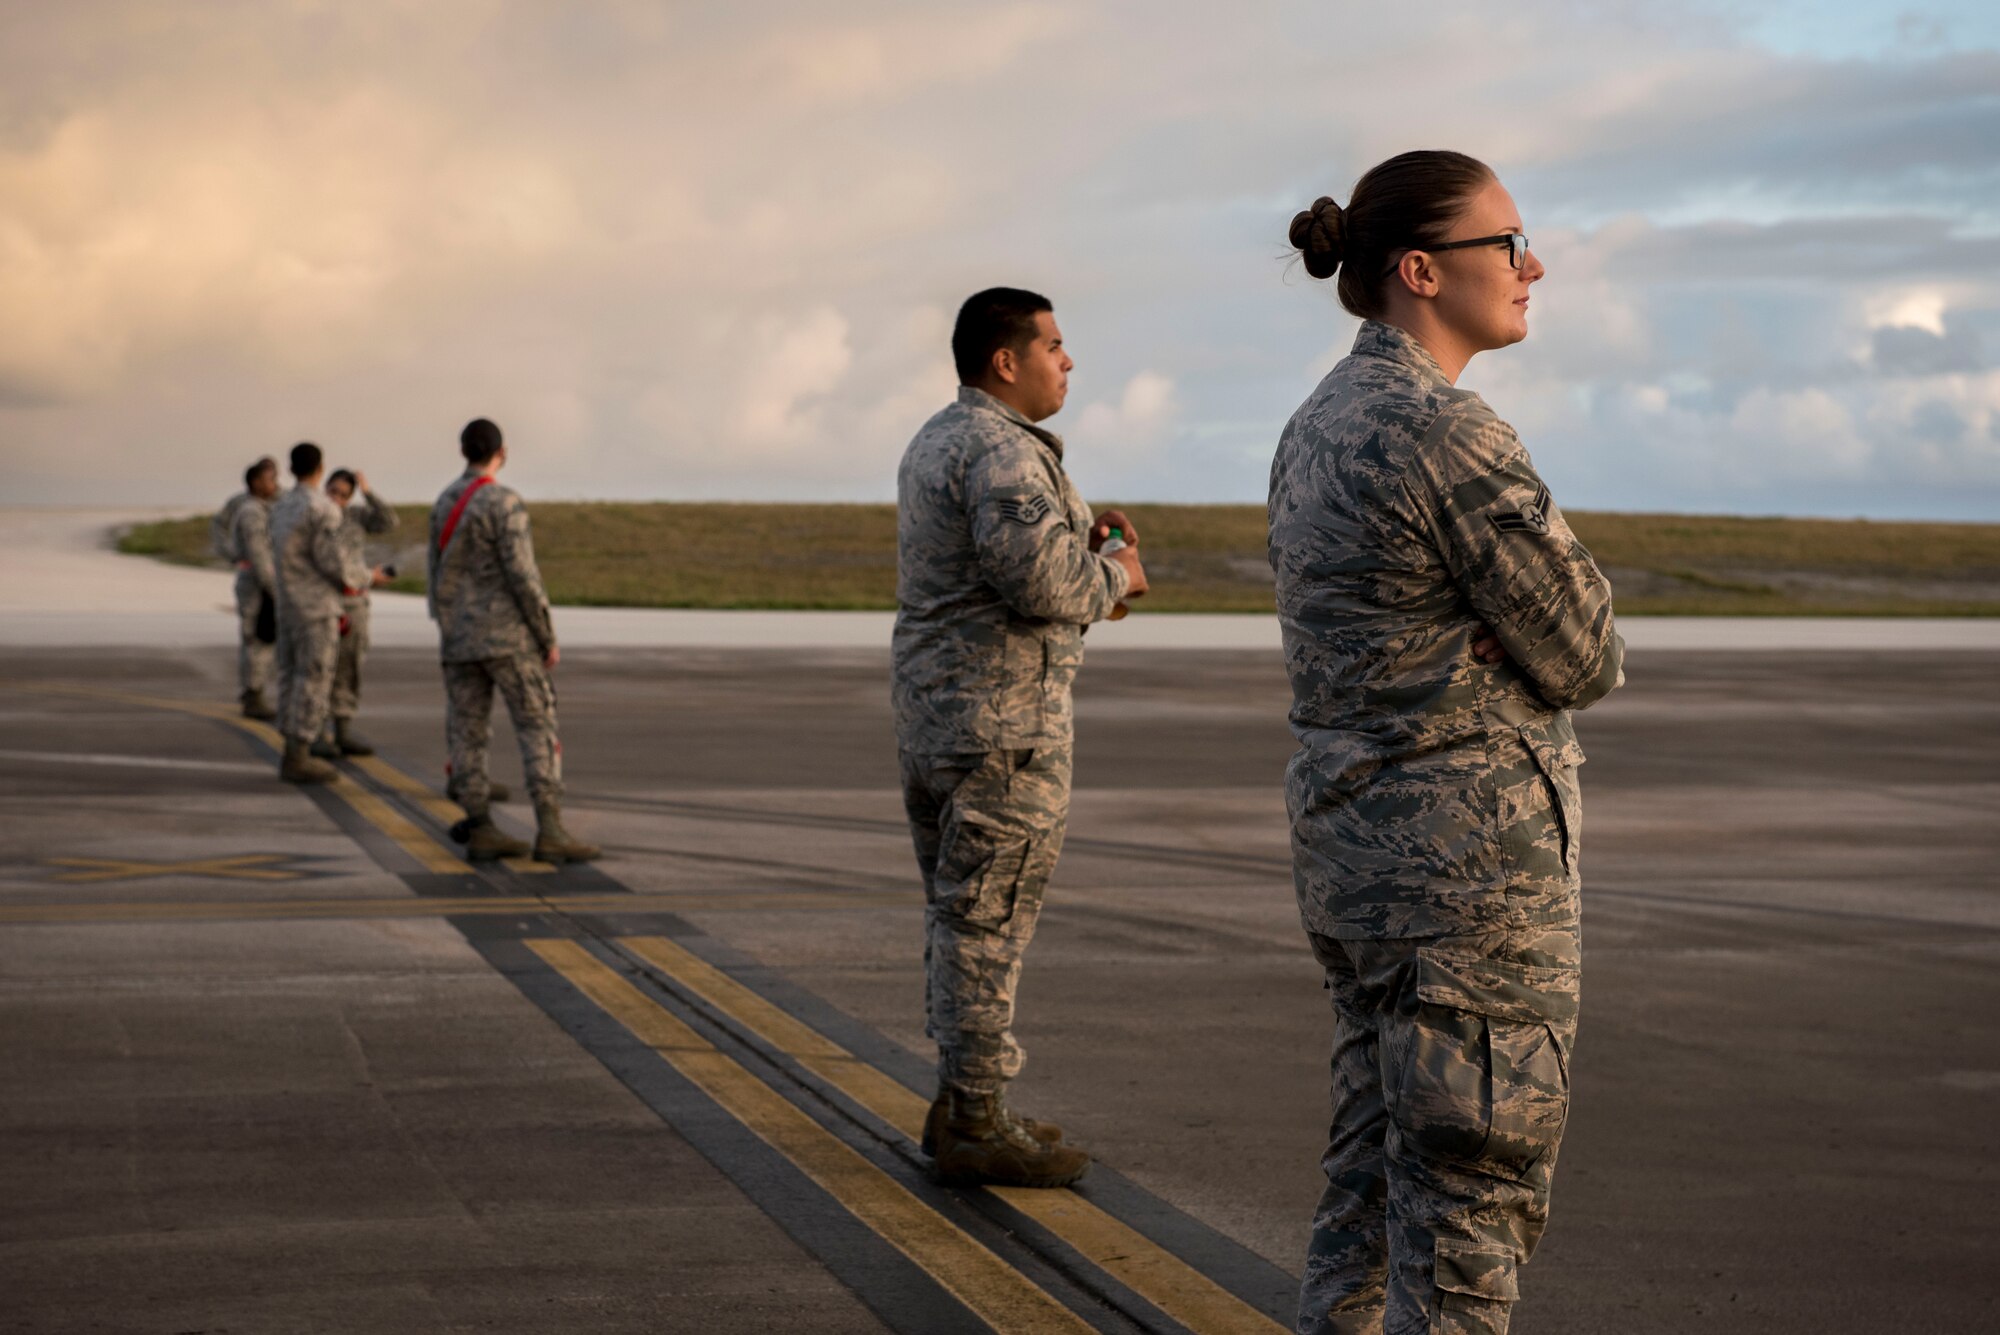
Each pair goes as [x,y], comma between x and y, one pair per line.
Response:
[366,516]
[1431,792]
[313,570]
[251,539]
[222,528]
[485,592]
[995,581]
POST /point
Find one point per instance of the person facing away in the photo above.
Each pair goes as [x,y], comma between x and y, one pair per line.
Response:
[364,516]
[495,632]
[1440,622]
[997,573]
[314,573]
[241,535]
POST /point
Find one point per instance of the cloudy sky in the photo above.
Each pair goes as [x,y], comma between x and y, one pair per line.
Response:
[712,251]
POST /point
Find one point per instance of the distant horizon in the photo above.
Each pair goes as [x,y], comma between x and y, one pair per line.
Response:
[192,507]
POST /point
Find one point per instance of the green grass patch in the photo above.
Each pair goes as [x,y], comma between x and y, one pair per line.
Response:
[1202,558]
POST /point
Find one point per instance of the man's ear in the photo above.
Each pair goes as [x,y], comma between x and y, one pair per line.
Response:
[1006,366]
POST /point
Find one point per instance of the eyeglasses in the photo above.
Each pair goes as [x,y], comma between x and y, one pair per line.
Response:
[1516,243]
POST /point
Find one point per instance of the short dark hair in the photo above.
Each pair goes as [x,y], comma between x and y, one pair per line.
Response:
[264,465]
[344,475]
[479,441]
[1409,202]
[999,317]
[306,459]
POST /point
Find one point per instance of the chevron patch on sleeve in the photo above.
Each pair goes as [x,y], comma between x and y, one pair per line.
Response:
[1026,510]
[1530,518]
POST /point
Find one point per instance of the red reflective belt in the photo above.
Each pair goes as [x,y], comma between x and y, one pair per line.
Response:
[451,524]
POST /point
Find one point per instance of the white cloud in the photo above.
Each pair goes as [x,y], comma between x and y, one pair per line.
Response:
[702,251]
[1143,411]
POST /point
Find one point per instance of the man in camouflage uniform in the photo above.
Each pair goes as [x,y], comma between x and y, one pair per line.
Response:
[493,620]
[239,533]
[1440,621]
[364,516]
[314,573]
[997,575]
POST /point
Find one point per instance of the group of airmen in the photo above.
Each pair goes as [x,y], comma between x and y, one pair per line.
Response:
[302,603]
[1440,622]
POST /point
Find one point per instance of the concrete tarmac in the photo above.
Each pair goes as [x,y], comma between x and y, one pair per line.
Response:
[273,1066]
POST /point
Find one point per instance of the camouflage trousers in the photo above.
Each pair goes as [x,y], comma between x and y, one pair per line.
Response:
[988,829]
[306,650]
[468,726]
[347,667]
[1450,1090]
[253,656]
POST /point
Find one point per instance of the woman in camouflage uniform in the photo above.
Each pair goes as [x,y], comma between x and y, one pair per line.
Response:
[1440,621]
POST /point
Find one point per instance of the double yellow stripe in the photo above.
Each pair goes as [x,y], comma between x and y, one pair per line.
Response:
[1134,1260]
[1000,1295]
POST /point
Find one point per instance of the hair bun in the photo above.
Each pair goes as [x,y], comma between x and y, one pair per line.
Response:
[1316,232]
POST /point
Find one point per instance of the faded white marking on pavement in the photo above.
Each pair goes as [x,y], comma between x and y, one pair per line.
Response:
[138,762]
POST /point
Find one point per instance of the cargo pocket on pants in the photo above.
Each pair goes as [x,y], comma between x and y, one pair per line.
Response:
[1476,1288]
[981,859]
[1484,1078]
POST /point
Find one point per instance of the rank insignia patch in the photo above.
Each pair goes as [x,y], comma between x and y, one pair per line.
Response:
[1530,518]
[1028,510]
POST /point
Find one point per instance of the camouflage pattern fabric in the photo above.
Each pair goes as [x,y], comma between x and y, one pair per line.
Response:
[306,652]
[1431,792]
[1436,827]
[345,701]
[1450,1089]
[222,527]
[312,574]
[468,724]
[249,550]
[366,516]
[988,830]
[485,591]
[995,580]
[314,570]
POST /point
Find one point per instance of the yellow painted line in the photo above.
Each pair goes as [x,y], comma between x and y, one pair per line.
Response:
[997,1293]
[747,901]
[405,833]
[1134,1260]
[436,805]
[409,836]
[249,867]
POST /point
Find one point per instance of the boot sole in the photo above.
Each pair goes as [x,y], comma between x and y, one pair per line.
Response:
[975,1179]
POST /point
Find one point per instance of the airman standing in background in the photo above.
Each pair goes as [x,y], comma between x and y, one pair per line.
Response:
[240,535]
[997,573]
[365,516]
[496,632]
[315,572]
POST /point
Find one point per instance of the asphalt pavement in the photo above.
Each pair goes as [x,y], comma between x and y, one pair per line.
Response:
[277,1062]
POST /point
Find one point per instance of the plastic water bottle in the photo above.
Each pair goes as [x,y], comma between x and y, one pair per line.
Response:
[1114,541]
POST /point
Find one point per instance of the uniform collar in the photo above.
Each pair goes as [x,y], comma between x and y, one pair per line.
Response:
[1377,339]
[970,397]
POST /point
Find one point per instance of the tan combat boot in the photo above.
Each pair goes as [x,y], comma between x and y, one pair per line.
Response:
[1048,1133]
[323,745]
[350,742]
[254,706]
[553,843]
[978,1142]
[300,767]
[486,842]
